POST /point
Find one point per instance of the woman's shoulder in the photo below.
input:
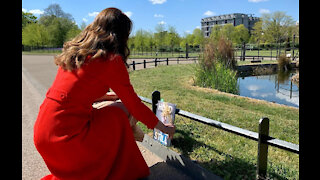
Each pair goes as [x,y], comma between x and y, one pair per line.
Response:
[108,57]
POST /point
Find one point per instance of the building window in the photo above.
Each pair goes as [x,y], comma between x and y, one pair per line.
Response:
[216,22]
[225,21]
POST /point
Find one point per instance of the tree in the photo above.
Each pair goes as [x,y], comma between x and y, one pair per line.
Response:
[227,31]
[240,34]
[140,40]
[59,24]
[28,18]
[276,26]
[257,32]
[159,35]
[73,32]
[56,11]
[198,37]
[216,32]
[34,34]
[172,38]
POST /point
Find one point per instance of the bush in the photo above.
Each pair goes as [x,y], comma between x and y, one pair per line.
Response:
[220,77]
[216,67]
[284,63]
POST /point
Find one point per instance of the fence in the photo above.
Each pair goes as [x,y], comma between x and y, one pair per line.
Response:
[252,52]
[50,49]
[262,137]
[157,61]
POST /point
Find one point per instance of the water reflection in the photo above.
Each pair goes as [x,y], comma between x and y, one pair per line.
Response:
[276,88]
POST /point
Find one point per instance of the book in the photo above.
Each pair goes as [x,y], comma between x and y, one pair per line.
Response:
[166,114]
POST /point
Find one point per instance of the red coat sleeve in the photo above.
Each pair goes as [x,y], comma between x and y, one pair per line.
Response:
[119,82]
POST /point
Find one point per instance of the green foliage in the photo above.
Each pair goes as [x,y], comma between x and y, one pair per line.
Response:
[28,18]
[35,35]
[215,69]
[240,34]
[59,27]
[220,77]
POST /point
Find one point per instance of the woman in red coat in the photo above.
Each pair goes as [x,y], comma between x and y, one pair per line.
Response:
[77,141]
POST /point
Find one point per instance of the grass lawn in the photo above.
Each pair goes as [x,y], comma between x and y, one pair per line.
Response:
[225,154]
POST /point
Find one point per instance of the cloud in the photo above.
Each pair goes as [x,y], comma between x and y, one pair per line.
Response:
[33,11]
[209,13]
[257,1]
[128,13]
[162,22]
[93,14]
[158,1]
[253,87]
[158,15]
[264,11]
[84,20]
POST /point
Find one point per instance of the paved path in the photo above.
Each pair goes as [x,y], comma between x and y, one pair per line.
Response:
[38,73]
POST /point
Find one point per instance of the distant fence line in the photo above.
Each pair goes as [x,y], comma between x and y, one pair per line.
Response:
[249,51]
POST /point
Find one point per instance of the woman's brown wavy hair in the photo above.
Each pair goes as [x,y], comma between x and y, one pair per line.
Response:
[108,33]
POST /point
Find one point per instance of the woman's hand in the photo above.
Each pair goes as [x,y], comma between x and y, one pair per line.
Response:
[166,128]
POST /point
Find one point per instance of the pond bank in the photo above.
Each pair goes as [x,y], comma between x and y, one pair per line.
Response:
[247,70]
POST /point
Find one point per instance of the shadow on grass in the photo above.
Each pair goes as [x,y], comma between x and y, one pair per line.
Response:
[229,168]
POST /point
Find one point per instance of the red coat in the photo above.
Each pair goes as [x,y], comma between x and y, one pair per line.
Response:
[79,142]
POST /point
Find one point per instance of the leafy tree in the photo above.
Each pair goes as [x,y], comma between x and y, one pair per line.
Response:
[216,32]
[276,26]
[73,32]
[34,34]
[159,35]
[257,32]
[61,25]
[227,31]
[240,34]
[172,38]
[140,40]
[28,18]
[198,37]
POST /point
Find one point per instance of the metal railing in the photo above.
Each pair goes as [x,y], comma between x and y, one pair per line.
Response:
[262,137]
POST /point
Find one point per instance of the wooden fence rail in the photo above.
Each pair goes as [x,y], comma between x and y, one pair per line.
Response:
[262,137]
[156,61]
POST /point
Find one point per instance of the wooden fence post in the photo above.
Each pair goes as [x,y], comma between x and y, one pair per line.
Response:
[134,65]
[155,62]
[262,148]
[155,99]
[144,64]
[167,61]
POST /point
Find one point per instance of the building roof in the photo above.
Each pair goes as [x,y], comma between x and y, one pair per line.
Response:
[227,16]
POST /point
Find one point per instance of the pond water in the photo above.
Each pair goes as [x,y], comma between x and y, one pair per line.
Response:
[276,88]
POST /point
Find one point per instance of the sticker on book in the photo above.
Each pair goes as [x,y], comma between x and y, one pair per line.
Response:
[166,114]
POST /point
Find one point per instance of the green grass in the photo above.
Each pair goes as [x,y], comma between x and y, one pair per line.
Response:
[225,154]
